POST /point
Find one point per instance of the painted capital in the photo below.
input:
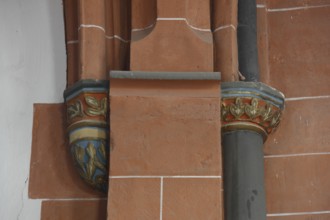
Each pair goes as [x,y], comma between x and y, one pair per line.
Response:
[250,106]
[87,128]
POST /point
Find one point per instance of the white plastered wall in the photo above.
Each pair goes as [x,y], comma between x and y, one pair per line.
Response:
[32,70]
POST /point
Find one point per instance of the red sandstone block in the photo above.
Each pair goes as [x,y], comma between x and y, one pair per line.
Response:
[109,26]
[299,51]
[92,53]
[121,18]
[192,199]
[225,52]
[173,46]
[295,3]
[136,198]
[171,8]
[74,210]
[224,13]
[117,53]
[165,136]
[169,127]
[297,184]
[72,51]
[301,217]
[159,88]
[144,13]
[198,14]
[263,53]
[71,19]
[52,172]
[304,128]
[90,12]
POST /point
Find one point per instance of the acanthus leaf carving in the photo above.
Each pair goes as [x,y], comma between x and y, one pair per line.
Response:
[75,110]
[247,109]
[267,113]
[96,107]
[253,110]
[88,160]
[237,110]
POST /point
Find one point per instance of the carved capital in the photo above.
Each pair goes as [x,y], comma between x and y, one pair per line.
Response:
[250,106]
[87,128]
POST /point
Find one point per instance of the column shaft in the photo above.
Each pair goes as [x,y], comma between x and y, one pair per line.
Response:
[244,176]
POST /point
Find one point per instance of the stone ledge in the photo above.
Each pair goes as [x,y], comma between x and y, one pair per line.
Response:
[165,75]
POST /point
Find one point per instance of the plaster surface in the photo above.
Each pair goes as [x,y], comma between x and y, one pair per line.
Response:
[32,70]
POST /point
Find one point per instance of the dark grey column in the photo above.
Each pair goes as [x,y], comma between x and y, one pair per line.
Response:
[250,111]
[244,175]
[247,40]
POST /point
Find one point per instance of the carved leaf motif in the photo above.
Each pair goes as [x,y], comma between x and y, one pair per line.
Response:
[91,151]
[104,104]
[102,150]
[79,154]
[268,116]
[99,163]
[224,112]
[275,120]
[96,107]
[252,110]
[75,110]
[91,101]
[267,113]
[101,179]
[87,170]
[237,110]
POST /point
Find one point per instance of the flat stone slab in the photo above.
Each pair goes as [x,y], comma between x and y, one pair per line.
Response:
[165,75]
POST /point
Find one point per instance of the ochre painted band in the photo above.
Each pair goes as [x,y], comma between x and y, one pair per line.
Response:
[87,133]
[235,126]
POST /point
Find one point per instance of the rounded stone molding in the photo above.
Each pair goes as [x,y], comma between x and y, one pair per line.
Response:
[250,106]
[87,128]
